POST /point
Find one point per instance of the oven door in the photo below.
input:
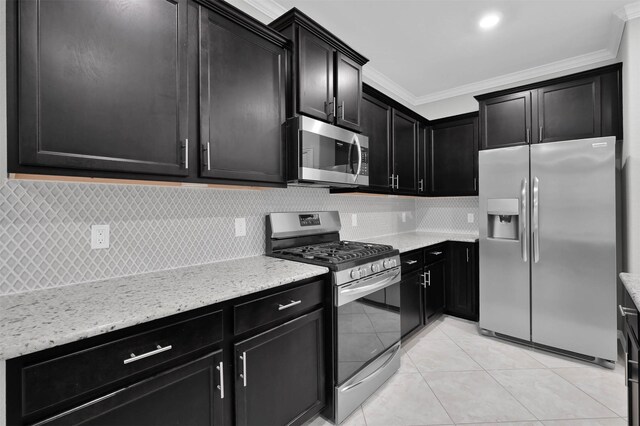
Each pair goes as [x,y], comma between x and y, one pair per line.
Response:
[367,321]
[327,153]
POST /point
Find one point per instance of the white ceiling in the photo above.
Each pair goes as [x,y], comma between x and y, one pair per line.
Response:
[427,50]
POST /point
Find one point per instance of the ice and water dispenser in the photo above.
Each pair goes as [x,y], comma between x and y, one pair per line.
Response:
[503,218]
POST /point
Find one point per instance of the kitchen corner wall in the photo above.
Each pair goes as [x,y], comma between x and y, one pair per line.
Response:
[45,227]
[447,214]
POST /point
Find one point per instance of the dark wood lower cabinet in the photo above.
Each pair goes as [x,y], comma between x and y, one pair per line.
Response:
[410,302]
[185,395]
[462,285]
[633,388]
[434,293]
[280,374]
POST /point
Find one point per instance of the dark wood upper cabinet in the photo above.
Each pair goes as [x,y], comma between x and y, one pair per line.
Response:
[242,102]
[578,106]
[348,91]
[315,76]
[453,156]
[424,136]
[102,86]
[327,73]
[376,124]
[506,120]
[404,139]
[569,110]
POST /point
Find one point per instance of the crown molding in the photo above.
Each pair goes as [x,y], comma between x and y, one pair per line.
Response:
[375,78]
[629,11]
[268,7]
[519,76]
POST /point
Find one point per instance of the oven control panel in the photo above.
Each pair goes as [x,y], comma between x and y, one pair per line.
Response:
[366,270]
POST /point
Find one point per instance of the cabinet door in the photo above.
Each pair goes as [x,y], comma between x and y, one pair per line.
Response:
[453,158]
[280,373]
[376,124]
[405,132]
[187,395]
[569,110]
[633,388]
[348,93]
[424,136]
[104,87]
[506,120]
[462,287]
[410,302]
[434,295]
[242,102]
[315,77]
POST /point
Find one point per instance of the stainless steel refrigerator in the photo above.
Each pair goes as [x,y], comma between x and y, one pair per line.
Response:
[548,245]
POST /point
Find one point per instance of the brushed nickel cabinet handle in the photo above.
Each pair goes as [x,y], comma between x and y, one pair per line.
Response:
[135,357]
[220,369]
[186,153]
[243,375]
[435,253]
[411,262]
[293,303]
[421,185]
[627,311]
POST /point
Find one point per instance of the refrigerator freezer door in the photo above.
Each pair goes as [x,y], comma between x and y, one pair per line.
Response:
[504,242]
[573,270]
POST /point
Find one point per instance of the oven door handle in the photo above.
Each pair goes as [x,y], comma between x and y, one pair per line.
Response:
[390,356]
[366,288]
[346,295]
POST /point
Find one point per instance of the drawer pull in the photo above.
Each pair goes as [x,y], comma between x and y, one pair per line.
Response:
[135,357]
[627,311]
[411,262]
[627,361]
[436,253]
[289,305]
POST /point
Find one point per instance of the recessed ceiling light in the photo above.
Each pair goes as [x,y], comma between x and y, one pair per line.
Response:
[489,21]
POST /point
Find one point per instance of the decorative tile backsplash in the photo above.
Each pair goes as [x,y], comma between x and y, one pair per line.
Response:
[45,227]
[447,214]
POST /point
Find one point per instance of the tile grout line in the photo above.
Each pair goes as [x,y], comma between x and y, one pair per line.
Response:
[436,395]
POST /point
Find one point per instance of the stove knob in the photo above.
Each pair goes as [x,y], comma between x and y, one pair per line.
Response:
[375,268]
[387,264]
[394,263]
[355,274]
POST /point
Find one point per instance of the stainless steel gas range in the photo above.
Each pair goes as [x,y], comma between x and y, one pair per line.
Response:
[366,301]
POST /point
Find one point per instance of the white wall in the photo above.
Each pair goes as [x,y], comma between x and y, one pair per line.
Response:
[629,54]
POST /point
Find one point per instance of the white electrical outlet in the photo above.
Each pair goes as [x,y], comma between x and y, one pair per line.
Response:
[99,236]
[404,216]
[470,218]
[354,219]
[241,227]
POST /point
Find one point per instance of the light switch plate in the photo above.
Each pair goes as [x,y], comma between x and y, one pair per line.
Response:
[470,217]
[241,227]
[99,236]
[354,219]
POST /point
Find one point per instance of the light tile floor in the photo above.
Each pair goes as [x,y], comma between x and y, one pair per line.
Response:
[451,374]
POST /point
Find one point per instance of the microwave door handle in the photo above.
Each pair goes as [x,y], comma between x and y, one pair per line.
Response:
[355,138]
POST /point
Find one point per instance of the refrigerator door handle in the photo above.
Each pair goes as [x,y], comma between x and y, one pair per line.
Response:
[536,220]
[523,215]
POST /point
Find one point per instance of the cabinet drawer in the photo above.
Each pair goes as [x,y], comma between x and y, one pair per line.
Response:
[60,379]
[250,315]
[631,316]
[411,261]
[434,254]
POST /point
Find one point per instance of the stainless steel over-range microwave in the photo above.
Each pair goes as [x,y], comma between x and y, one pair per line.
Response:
[321,154]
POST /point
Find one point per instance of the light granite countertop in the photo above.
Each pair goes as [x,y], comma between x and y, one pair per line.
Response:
[408,241]
[632,284]
[42,319]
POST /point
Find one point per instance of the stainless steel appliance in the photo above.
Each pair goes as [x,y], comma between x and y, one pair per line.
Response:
[548,245]
[365,290]
[321,154]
